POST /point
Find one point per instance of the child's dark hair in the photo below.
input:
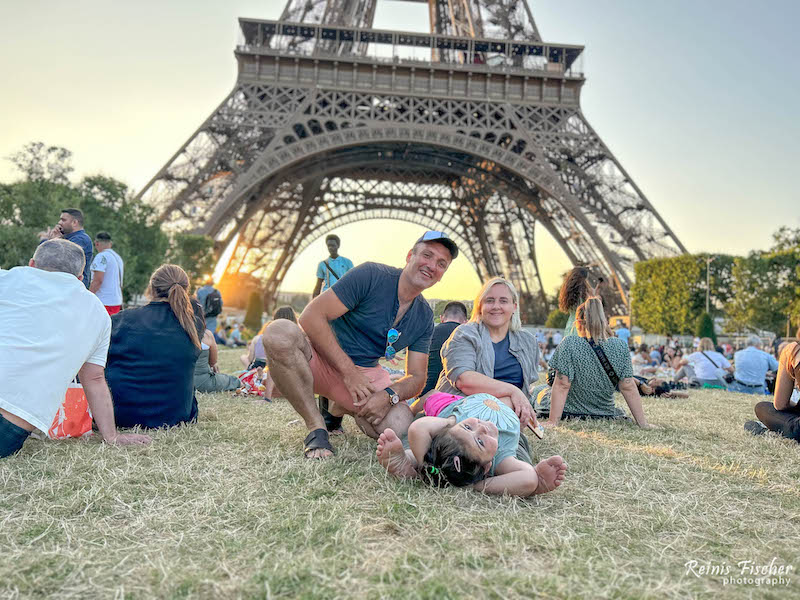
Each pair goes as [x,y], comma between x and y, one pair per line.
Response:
[447,463]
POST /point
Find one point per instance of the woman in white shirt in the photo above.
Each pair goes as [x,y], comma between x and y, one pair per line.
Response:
[708,364]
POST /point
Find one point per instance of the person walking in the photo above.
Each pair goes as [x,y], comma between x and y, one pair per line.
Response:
[210,300]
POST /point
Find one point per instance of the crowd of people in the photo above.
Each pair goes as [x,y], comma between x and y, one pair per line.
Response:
[454,415]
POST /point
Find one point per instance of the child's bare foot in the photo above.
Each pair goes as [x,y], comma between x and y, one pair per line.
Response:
[551,473]
[393,457]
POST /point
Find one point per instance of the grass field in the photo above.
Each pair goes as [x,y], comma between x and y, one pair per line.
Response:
[228,508]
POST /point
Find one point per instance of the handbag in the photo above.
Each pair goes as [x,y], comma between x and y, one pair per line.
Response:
[601,356]
[73,418]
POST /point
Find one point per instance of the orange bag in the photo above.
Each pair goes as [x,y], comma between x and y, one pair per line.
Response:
[73,418]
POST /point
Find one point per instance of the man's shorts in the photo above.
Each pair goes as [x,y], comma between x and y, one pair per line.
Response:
[328,381]
[112,310]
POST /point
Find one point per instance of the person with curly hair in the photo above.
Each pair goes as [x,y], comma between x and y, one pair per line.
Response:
[579,284]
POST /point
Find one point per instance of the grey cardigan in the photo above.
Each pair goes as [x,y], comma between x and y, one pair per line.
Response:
[469,348]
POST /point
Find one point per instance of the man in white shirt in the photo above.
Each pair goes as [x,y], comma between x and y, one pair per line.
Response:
[54,328]
[107,273]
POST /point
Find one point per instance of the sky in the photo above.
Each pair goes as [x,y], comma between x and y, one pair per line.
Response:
[695,98]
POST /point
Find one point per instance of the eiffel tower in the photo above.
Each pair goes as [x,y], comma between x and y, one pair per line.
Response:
[474,128]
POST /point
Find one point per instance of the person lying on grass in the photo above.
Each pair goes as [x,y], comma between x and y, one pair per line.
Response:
[472,441]
[655,386]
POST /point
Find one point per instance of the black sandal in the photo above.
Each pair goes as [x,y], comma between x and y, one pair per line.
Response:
[332,424]
[317,440]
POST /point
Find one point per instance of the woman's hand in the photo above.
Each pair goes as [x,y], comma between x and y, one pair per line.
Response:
[521,406]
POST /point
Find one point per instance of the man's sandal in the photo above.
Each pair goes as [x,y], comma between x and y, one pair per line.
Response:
[317,440]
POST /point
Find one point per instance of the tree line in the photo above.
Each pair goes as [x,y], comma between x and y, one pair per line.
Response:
[759,291]
[34,204]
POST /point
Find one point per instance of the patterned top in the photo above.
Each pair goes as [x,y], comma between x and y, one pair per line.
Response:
[591,392]
[488,408]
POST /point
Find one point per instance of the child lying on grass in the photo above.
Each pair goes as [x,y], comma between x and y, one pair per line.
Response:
[469,441]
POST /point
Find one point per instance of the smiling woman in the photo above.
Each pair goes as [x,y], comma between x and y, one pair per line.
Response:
[492,354]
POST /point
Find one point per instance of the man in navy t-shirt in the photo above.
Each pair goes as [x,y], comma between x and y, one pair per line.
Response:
[70,227]
[372,312]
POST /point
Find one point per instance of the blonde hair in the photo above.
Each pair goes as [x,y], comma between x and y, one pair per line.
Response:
[706,344]
[171,283]
[591,318]
[516,322]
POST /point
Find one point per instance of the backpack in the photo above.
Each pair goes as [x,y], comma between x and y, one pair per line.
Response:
[212,305]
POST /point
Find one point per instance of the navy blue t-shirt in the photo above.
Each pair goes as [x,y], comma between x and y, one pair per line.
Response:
[369,291]
[83,240]
[150,368]
[506,367]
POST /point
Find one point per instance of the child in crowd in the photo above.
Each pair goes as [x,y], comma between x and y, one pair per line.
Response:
[470,441]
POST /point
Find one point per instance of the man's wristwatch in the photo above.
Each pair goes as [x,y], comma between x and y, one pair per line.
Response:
[393,397]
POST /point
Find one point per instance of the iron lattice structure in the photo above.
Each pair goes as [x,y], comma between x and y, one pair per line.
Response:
[474,128]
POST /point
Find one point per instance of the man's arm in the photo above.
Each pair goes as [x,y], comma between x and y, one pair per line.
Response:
[378,404]
[317,288]
[99,398]
[315,322]
[97,281]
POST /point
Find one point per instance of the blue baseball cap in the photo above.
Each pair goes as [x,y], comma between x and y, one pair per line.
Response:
[441,238]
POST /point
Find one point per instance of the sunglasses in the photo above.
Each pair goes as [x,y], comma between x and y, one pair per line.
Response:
[391,337]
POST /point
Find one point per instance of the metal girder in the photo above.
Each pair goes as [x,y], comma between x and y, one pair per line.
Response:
[483,140]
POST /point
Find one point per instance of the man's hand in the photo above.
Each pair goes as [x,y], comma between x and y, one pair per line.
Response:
[55,233]
[549,424]
[357,383]
[375,408]
[522,407]
[215,368]
[128,439]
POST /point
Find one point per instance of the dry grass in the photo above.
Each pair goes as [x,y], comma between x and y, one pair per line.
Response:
[228,508]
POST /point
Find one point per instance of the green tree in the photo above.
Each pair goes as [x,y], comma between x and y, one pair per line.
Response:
[670,293]
[704,327]
[255,307]
[195,253]
[556,319]
[765,291]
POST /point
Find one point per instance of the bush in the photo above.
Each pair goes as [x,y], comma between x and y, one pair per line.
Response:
[705,327]
[252,318]
[556,319]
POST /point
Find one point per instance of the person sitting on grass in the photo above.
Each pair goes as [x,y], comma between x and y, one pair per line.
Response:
[471,441]
[583,387]
[153,353]
[752,364]
[374,311]
[492,354]
[235,338]
[207,377]
[54,328]
[782,415]
[579,284]
[707,366]
[642,362]
[256,356]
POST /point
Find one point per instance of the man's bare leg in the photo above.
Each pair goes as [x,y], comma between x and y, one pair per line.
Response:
[288,354]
